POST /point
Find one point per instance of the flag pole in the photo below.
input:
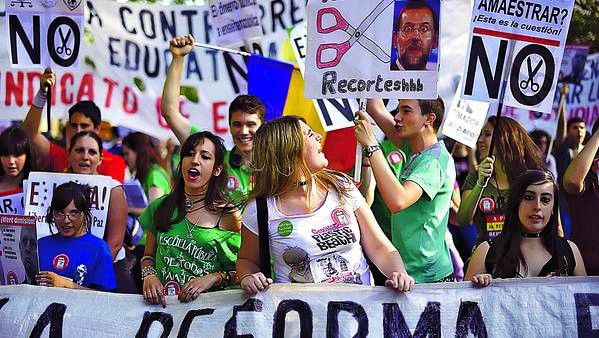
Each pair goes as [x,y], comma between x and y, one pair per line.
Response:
[359,149]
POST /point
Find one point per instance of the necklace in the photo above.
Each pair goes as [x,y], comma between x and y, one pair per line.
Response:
[190,228]
[189,202]
[531,234]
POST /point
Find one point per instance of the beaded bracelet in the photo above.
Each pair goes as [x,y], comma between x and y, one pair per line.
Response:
[225,278]
[147,271]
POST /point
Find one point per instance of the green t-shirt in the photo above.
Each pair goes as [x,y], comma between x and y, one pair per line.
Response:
[419,231]
[240,181]
[157,177]
[489,214]
[189,250]
[396,158]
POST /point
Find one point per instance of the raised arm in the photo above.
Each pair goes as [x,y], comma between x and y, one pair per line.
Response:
[377,110]
[179,46]
[31,124]
[580,165]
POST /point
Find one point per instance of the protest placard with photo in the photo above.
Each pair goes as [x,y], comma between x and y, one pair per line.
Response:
[18,243]
[374,49]
[235,22]
[573,62]
[38,196]
[517,47]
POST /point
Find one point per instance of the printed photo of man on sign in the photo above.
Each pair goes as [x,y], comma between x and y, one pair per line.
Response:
[415,35]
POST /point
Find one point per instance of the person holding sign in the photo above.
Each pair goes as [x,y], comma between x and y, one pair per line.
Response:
[319,225]
[74,258]
[18,159]
[83,116]
[193,232]
[529,244]
[85,156]
[485,194]
[246,114]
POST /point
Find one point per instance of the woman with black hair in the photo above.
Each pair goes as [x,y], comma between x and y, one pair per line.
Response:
[529,244]
[193,232]
[74,258]
[18,159]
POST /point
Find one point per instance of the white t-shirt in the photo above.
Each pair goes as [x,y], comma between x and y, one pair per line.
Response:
[319,247]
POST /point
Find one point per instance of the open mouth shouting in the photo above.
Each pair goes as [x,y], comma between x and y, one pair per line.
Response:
[193,174]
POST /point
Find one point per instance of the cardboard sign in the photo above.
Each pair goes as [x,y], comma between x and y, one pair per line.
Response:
[18,245]
[464,121]
[372,49]
[235,21]
[44,33]
[40,188]
[517,45]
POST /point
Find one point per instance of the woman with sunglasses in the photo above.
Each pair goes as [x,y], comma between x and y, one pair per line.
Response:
[74,258]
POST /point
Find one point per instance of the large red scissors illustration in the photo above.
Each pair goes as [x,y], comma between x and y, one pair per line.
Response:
[356,35]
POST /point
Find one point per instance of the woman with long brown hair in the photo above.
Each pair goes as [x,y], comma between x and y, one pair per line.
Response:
[485,194]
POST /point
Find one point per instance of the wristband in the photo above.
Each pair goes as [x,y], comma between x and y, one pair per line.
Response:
[242,277]
[147,258]
[40,99]
[147,271]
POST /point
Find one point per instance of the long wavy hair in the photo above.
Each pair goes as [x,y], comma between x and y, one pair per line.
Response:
[146,154]
[277,161]
[214,201]
[15,142]
[506,247]
[64,194]
[516,151]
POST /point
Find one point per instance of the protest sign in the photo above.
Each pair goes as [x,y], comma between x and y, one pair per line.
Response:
[235,21]
[44,33]
[40,188]
[573,62]
[136,196]
[464,121]
[12,203]
[372,49]
[18,243]
[333,113]
[545,307]
[523,41]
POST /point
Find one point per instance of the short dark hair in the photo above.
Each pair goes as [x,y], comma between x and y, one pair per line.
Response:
[573,120]
[436,107]
[595,126]
[414,4]
[248,104]
[81,134]
[537,134]
[89,109]
[69,192]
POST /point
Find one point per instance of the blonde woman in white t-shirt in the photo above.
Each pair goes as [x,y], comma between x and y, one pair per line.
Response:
[319,225]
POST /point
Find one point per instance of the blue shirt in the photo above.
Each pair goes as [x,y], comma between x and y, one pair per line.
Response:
[85,259]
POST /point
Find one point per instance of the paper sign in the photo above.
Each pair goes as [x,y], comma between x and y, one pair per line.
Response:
[372,49]
[12,204]
[19,249]
[465,120]
[136,196]
[235,21]
[573,62]
[525,38]
[38,196]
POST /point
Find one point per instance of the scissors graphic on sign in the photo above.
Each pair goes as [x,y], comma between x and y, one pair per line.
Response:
[356,35]
[531,74]
[64,39]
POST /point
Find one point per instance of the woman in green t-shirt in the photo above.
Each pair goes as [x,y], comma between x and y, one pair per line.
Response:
[193,233]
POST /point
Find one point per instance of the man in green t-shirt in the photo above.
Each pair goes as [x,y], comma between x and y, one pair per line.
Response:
[246,114]
[420,198]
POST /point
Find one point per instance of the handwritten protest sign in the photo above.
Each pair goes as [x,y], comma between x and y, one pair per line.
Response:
[464,121]
[19,249]
[526,40]
[38,196]
[44,33]
[545,307]
[235,21]
[372,49]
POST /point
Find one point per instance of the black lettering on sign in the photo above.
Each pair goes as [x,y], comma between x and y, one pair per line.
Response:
[65,37]
[189,317]
[232,67]
[470,320]
[250,305]
[519,61]
[53,315]
[165,319]
[492,79]
[583,313]
[92,14]
[429,323]
[357,311]
[3,302]
[33,49]
[343,106]
[305,318]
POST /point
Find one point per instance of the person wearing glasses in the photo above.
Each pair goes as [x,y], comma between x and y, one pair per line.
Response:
[74,258]
[415,36]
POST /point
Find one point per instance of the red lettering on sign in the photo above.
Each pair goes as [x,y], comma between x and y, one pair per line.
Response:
[14,89]
[34,77]
[129,109]
[217,116]
[66,95]
[86,88]
[111,84]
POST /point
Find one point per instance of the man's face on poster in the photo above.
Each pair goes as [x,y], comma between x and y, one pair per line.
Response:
[578,63]
[28,250]
[415,37]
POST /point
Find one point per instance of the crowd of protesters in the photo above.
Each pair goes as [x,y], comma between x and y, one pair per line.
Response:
[220,218]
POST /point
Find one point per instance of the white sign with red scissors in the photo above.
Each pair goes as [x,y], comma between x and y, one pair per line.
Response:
[372,49]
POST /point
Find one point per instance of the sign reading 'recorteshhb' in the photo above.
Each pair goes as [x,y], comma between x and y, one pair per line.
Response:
[523,40]
[372,49]
[44,32]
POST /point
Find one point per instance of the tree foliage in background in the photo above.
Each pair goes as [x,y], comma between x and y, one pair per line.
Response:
[584,28]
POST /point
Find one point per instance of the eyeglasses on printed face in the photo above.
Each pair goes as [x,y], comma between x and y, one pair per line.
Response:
[410,31]
[73,215]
